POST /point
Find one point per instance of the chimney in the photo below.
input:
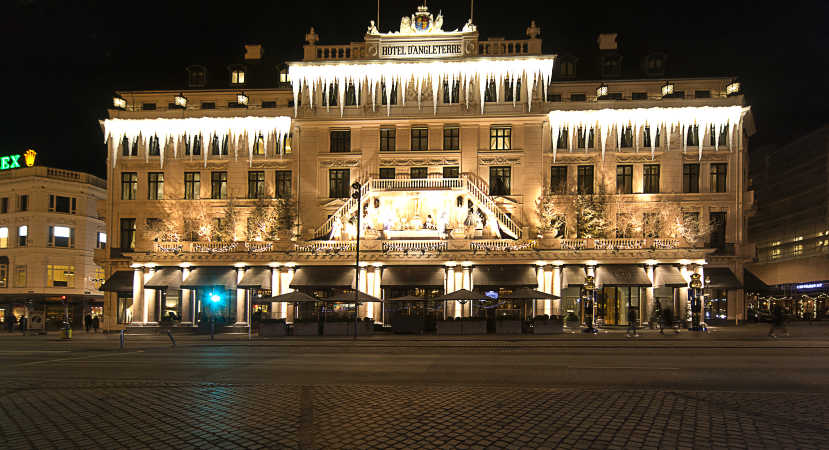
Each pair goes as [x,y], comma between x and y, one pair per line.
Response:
[253,52]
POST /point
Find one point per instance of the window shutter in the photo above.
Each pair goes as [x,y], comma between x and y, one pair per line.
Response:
[51,236]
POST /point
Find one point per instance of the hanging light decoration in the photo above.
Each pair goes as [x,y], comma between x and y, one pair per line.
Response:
[601,91]
[119,103]
[242,99]
[667,89]
[733,88]
[180,101]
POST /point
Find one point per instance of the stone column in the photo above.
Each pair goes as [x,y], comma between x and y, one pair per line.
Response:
[276,307]
[540,306]
[287,308]
[241,303]
[138,295]
[187,310]
[701,272]
[378,292]
[150,314]
[556,290]
[449,287]
[682,314]
[466,309]
[369,307]
[649,297]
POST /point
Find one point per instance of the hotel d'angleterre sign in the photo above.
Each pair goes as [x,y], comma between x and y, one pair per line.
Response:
[420,36]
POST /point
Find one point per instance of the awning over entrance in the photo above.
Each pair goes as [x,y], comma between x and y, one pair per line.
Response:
[721,277]
[426,277]
[622,275]
[120,281]
[668,276]
[504,276]
[210,276]
[256,278]
[573,276]
[323,277]
[165,278]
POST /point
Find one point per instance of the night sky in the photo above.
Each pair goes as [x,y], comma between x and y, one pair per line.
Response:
[62,60]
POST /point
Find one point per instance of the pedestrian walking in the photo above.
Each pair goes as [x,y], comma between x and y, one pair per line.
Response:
[96,322]
[23,323]
[87,322]
[660,320]
[778,320]
[632,321]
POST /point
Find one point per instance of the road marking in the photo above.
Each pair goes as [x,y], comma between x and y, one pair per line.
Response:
[78,358]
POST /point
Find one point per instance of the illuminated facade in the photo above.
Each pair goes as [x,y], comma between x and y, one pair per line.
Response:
[50,226]
[482,164]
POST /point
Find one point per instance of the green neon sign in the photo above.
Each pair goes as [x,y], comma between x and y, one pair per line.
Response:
[10,162]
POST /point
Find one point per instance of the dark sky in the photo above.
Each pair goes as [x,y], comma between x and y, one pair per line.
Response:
[63,59]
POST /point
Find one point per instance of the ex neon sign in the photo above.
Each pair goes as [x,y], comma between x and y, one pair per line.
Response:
[13,161]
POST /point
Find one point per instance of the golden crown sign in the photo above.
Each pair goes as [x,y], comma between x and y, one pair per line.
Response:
[29,157]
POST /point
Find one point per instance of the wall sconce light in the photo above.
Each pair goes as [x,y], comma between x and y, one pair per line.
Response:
[180,101]
[733,88]
[242,99]
[601,91]
[667,89]
[119,103]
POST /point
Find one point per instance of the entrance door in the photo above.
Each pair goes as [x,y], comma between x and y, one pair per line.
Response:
[217,303]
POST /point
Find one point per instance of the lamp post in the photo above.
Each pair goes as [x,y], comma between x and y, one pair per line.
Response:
[695,286]
[357,194]
[590,293]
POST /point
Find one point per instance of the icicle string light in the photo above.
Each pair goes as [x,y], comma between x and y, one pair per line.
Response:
[604,121]
[236,130]
[321,76]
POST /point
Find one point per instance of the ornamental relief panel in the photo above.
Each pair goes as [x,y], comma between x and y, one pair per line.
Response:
[420,162]
[499,161]
[340,163]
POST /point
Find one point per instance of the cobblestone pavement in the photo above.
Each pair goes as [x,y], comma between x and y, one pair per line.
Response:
[147,414]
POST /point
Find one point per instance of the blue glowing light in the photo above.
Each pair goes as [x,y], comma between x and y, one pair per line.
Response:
[214,298]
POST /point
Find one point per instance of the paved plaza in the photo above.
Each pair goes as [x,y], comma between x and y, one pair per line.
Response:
[723,390]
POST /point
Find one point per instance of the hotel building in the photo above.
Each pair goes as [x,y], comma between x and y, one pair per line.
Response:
[481,164]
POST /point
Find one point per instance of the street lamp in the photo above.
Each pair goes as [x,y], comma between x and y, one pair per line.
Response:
[695,293]
[357,194]
[590,294]
[180,101]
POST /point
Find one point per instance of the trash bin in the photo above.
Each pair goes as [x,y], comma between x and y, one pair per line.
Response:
[66,331]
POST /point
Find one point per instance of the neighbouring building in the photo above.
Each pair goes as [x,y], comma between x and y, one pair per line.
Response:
[791,226]
[481,164]
[50,227]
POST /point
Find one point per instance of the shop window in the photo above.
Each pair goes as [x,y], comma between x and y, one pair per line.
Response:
[192,185]
[500,180]
[22,235]
[20,276]
[558,180]
[616,304]
[340,141]
[716,304]
[388,139]
[283,184]
[500,138]
[451,138]
[420,139]
[123,308]
[60,275]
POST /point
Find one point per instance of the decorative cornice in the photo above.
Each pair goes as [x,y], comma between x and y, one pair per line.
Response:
[419,162]
[340,163]
[499,160]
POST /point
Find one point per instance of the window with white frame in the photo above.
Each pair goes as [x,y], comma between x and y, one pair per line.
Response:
[60,236]
[4,237]
[101,241]
[22,235]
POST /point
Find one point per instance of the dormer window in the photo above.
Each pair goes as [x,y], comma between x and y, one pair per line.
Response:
[655,64]
[567,68]
[237,75]
[611,65]
[284,78]
[196,77]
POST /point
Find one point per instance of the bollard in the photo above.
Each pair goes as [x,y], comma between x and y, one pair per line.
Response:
[170,335]
[122,339]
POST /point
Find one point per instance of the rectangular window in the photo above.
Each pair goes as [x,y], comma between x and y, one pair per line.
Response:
[194,147]
[717,229]
[451,138]
[388,139]
[333,93]
[60,236]
[693,136]
[259,146]
[690,178]
[60,275]
[340,141]
[420,139]
[702,94]
[418,172]
[154,146]
[101,240]
[155,186]
[452,97]
[646,137]
[23,202]
[585,179]
[718,177]
[268,104]
[218,148]
[22,235]
[20,276]
[127,234]
[563,141]
[624,179]
[208,105]
[390,97]
[723,140]
[283,184]
[350,95]
[256,184]
[4,237]
[578,97]
[509,88]
[4,205]
[126,149]
[500,138]
[639,96]
[339,181]
[500,180]
[237,76]
[451,172]
[490,94]
[148,106]
[4,275]
[558,180]
[387,173]
[218,185]
[61,204]
[553,97]
[585,140]
[129,186]
[651,179]
[627,137]
[192,185]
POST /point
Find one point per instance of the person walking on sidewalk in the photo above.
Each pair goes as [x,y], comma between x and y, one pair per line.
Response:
[96,322]
[778,320]
[23,323]
[660,321]
[87,322]
[632,322]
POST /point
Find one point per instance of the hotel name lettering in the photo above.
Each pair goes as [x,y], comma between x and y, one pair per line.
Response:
[433,49]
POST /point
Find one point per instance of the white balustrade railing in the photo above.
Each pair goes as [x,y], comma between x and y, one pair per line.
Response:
[666,243]
[416,184]
[502,245]
[574,244]
[415,246]
[327,247]
[619,244]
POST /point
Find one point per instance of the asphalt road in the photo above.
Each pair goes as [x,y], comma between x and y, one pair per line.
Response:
[572,391]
